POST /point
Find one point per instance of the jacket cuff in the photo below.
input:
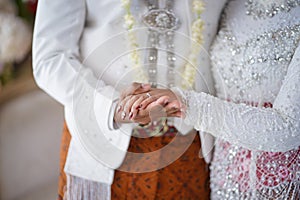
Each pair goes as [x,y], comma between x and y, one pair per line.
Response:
[104,108]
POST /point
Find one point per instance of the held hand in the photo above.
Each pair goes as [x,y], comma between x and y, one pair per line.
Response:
[161,96]
[133,89]
[153,111]
[165,98]
[148,106]
[143,117]
[123,112]
[125,116]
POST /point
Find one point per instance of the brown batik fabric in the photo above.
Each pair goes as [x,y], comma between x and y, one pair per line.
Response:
[64,147]
[185,178]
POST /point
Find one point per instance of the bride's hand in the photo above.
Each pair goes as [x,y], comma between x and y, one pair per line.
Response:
[172,105]
[160,96]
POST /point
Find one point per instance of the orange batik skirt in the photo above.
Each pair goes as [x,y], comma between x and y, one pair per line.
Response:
[185,178]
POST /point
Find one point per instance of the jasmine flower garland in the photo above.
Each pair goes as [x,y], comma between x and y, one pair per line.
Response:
[140,75]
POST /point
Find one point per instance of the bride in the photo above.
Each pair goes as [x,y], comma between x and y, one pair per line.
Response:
[255,117]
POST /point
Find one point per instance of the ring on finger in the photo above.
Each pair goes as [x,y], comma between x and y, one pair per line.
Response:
[148,95]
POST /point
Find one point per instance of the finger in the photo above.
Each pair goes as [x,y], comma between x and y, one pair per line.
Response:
[136,105]
[143,87]
[162,108]
[174,109]
[163,100]
[121,106]
[156,112]
[136,88]
[171,110]
[142,117]
[130,90]
[128,105]
[148,101]
[151,105]
[173,104]
[120,117]
[176,114]
[156,95]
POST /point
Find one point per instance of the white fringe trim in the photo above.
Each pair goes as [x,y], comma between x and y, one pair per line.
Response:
[82,189]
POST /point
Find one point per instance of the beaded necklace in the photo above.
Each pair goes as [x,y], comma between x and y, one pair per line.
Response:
[164,21]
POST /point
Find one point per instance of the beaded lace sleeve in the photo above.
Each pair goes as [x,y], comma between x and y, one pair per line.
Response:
[267,129]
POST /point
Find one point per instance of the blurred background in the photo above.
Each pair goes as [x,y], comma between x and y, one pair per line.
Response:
[30,121]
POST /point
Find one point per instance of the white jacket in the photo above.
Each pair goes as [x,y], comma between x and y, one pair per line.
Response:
[79,58]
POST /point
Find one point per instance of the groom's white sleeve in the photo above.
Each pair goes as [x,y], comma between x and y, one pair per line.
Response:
[58,70]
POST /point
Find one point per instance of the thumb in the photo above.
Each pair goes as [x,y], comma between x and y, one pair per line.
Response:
[136,88]
[141,88]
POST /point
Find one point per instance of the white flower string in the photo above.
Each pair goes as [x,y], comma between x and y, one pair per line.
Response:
[190,68]
[189,71]
[140,75]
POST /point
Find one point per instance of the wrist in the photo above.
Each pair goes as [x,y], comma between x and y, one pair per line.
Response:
[179,96]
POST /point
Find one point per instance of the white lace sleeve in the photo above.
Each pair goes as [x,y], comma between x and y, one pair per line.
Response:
[268,129]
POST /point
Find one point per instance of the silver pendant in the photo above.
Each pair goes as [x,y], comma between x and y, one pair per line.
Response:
[161,20]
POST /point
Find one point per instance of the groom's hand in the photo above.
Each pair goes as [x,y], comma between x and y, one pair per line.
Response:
[135,88]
